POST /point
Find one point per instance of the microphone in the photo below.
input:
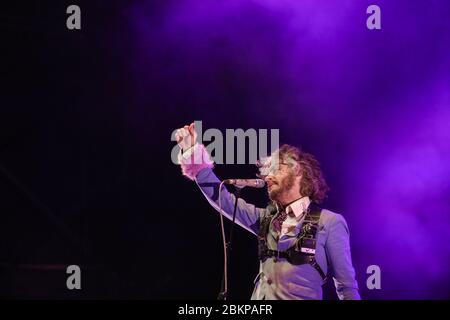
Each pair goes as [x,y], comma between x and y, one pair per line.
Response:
[242,183]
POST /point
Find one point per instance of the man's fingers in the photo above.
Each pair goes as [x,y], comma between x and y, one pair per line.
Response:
[186,132]
[178,136]
[192,128]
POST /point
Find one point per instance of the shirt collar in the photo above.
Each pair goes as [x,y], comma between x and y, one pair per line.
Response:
[298,206]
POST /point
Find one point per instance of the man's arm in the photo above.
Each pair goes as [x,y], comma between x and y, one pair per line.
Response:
[197,165]
[338,251]
[247,215]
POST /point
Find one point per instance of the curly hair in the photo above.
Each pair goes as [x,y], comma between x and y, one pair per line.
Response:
[312,183]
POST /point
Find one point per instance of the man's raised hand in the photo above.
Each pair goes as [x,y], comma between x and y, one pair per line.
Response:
[186,137]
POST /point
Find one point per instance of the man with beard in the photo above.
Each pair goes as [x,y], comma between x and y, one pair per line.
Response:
[299,242]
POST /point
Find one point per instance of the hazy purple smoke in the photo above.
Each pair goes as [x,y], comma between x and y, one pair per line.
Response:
[377,102]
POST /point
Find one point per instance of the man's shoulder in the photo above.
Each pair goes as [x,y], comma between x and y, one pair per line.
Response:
[328,217]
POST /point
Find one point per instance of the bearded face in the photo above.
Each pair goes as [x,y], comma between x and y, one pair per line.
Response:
[280,182]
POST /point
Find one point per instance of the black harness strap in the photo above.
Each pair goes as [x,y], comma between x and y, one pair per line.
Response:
[304,249]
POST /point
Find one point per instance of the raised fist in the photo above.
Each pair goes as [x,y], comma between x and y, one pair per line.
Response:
[186,137]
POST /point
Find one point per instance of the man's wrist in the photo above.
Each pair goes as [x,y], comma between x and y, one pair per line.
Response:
[187,150]
[188,153]
[194,159]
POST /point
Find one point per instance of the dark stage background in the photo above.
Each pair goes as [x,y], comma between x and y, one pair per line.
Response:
[86,119]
